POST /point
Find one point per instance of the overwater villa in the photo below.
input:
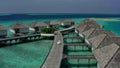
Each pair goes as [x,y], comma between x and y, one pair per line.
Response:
[38,26]
[67,22]
[3,31]
[87,24]
[90,22]
[55,24]
[103,38]
[20,28]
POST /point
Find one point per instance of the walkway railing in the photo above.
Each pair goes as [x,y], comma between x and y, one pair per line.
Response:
[18,37]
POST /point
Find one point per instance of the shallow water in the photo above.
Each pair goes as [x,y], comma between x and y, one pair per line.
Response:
[27,55]
[113,25]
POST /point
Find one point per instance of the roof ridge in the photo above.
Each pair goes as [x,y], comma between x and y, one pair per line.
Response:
[102,40]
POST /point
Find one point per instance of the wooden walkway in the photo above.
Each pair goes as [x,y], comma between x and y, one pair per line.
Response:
[67,29]
[56,54]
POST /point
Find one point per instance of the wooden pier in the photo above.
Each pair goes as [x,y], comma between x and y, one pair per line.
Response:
[19,39]
[56,54]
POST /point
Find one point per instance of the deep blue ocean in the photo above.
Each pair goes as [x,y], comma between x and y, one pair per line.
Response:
[53,16]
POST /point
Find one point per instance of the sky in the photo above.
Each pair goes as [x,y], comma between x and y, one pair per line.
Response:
[60,6]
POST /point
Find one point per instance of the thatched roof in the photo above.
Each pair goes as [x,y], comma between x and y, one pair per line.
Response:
[2,27]
[87,33]
[18,25]
[108,56]
[115,61]
[37,24]
[82,28]
[89,24]
[97,32]
[90,21]
[101,39]
[95,41]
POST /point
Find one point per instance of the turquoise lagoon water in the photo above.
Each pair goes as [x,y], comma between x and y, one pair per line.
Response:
[113,25]
[27,55]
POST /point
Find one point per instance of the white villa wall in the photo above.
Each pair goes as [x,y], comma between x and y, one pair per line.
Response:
[98,65]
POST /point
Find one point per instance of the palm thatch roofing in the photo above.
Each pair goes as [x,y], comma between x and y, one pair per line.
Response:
[19,25]
[2,27]
[38,24]
[100,31]
[102,39]
[87,33]
[81,28]
[89,24]
[95,41]
[115,61]
[108,56]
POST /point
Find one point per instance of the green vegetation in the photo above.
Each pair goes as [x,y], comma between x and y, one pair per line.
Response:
[48,30]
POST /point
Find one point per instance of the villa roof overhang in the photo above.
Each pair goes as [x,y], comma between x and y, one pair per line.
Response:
[89,23]
[19,25]
[38,24]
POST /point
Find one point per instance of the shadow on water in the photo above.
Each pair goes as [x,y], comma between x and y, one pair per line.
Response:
[66,64]
[67,51]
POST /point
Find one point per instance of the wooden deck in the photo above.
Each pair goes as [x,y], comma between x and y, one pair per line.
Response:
[56,54]
[67,29]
